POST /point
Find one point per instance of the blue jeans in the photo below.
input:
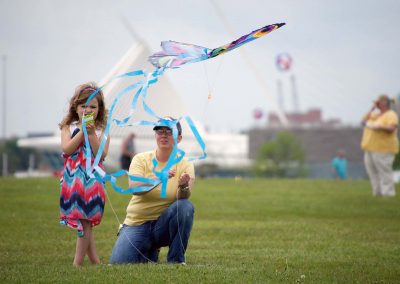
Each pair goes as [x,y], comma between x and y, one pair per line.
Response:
[142,243]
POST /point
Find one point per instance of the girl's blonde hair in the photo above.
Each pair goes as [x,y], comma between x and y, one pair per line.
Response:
[80,97]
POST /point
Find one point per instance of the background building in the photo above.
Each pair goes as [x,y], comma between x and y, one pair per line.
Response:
[319,145]
[320,139]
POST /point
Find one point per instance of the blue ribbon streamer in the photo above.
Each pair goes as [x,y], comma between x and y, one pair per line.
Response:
[176,155]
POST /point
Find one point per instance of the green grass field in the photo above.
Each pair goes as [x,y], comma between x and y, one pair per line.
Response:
[246,231]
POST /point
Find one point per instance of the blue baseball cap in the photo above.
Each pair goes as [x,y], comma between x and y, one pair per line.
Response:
[168,122]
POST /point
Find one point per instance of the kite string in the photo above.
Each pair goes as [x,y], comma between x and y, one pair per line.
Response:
[210,86]
[179,232]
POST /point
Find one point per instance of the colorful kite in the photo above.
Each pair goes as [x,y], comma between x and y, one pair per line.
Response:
[176,54]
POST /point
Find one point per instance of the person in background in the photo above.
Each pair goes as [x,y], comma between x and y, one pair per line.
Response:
[380,145]
[153,222]
[339,165]
[127,151]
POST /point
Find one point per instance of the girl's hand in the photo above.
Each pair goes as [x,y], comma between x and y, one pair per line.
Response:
[90,125]
[90,128]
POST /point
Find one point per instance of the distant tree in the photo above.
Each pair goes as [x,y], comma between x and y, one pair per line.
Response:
[206,170]
[18,158]
[282,157]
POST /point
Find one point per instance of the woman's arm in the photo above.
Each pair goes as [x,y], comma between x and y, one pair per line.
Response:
[387,122]
[386,128]
[368,115]
[137,168]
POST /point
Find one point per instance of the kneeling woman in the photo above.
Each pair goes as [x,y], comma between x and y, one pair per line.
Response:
[153,222]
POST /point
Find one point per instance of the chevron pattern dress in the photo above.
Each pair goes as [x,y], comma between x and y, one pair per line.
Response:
[82,197]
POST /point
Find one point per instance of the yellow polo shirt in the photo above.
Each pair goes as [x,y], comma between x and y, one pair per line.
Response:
[149,206]
[379,140]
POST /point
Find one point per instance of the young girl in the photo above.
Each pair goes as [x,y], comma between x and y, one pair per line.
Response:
[82,197]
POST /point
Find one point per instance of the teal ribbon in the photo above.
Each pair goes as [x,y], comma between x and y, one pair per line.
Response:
[176,155]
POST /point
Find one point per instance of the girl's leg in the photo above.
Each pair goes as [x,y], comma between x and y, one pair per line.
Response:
[91,252]
[82,244]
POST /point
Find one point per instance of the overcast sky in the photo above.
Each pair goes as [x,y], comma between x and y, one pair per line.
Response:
[345,53]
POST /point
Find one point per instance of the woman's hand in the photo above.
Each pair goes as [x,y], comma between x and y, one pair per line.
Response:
[171,173]
[373,107]
[184,180]
[184,186]
[368,115]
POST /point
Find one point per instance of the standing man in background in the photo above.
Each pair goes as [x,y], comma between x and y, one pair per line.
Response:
[127,151]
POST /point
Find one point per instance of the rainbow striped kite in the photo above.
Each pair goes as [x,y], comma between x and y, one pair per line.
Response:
[176,54]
